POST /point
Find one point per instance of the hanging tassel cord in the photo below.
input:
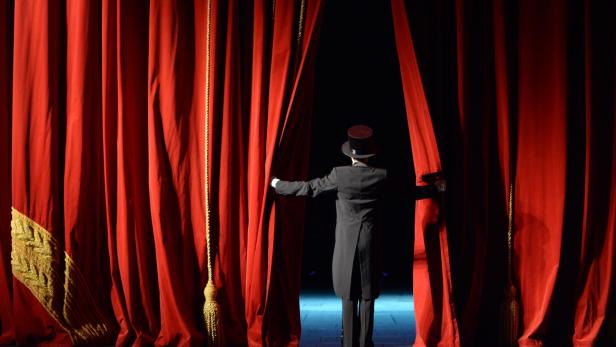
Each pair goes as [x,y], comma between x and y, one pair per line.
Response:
[512,316]
[211,308]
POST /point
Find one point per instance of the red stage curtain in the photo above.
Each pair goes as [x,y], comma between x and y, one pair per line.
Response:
[483,176]
[105,121]
[596,260]
[535,107]
[86,282]
[125,136]
[264,131]
[535,98]
[541,160]
[36,171]
[432,283]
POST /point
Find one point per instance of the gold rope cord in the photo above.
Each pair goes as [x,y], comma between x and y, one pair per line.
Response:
[510,234]
[211,309]
[300,28]
[513,305]
[36,261]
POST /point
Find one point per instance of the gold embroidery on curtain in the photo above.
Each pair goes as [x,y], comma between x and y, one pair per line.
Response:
[81,310]
[36,260]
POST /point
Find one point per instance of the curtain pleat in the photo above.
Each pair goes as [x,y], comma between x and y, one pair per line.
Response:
[541,157]
[232,197]
[37,157]
[171,90]
[596,260]
[126,160]
[86,278]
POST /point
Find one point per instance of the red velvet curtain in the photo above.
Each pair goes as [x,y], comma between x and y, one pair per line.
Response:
[532,107]
[265,95]
[102,108]
[535,87]
[432,283]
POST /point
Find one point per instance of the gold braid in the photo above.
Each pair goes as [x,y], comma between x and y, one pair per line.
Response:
[36,260]
[211,309]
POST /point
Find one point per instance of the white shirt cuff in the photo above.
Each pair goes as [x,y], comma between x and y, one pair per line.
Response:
[274,182]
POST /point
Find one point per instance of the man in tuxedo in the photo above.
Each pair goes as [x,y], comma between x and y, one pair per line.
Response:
[357,260]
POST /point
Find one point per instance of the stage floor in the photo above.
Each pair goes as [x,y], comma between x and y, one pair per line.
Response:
[321,315]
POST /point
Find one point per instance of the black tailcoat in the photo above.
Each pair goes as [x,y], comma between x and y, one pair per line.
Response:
[360,190]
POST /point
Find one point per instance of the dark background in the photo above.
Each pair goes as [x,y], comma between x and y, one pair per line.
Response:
[357,81]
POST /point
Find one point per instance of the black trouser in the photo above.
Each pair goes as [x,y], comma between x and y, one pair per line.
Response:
[357,328]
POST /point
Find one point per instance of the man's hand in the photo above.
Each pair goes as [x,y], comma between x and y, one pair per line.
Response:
[441,185]
[274,181]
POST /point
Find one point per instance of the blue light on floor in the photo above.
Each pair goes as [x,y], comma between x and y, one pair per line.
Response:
[331,303]
[321,314]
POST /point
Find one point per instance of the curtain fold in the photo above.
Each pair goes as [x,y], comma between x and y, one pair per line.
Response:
[482,60]
[435,314]
[232,204]
[135,291]
[541,161]
[37,115]
[171,91]
[86,281]
[596,260]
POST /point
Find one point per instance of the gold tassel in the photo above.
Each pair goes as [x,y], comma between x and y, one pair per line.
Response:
[510,318]
[211,313]
[211,309]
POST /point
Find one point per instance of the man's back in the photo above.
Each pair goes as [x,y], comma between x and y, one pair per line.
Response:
[360,189]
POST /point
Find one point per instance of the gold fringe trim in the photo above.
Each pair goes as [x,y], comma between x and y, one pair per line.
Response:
[81,310]
[36,260]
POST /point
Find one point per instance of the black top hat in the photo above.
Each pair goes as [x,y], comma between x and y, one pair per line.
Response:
[360,144]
